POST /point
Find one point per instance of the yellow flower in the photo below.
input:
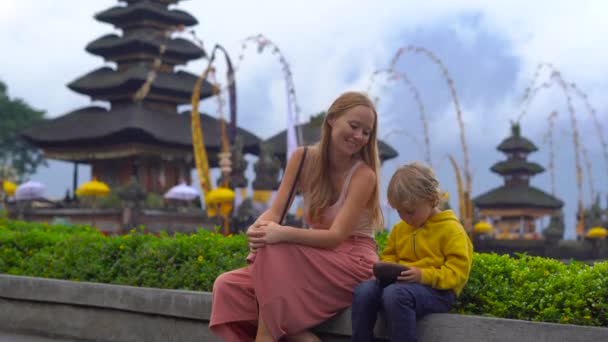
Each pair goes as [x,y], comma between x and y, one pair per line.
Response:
[200,258]
[122,247]
[587,317]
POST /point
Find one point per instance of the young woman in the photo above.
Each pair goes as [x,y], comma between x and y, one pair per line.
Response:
[297,278]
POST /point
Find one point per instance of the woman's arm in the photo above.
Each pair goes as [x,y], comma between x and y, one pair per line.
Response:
[273,214]
[357,198]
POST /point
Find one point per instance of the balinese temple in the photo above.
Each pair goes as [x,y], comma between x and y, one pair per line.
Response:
[514,207]
[141,134]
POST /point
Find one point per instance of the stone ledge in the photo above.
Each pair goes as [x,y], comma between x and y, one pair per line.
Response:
[102,312]
[176,303]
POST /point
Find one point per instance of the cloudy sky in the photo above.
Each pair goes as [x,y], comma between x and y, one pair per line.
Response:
[491,49]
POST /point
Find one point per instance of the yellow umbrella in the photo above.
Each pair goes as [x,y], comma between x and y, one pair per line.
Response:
[93,188]
[9,187]
[483,227]
[597,233]
[220,198]
[219,195]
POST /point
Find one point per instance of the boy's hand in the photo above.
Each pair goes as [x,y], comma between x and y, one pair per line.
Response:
[412,275]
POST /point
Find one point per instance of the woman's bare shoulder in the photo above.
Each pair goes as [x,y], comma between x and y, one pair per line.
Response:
[364,173]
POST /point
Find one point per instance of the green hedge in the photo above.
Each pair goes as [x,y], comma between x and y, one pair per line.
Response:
[523,287]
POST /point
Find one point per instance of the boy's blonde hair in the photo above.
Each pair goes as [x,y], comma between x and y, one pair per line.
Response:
[412,184]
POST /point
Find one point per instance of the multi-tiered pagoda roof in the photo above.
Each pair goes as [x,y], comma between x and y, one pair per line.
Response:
[517,171]
[137,124]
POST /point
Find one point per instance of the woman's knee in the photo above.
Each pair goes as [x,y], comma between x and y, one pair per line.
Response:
[223,282]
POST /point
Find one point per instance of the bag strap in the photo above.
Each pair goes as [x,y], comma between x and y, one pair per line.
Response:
[293,186]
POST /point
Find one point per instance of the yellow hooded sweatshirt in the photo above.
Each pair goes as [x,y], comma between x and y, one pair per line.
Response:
[440,248]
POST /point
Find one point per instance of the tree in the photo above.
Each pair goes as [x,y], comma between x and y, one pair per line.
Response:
[18,159]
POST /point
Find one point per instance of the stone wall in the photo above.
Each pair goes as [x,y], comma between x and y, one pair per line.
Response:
[101,312]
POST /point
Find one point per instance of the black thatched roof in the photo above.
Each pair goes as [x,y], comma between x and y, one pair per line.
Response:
[129,124]
[516,143]
[106,83]
[512,166]
[111,47]
[517,196]
[311,133]
[145,10]
[159,1]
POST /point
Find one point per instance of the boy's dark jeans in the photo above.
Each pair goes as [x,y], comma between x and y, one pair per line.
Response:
[403,303]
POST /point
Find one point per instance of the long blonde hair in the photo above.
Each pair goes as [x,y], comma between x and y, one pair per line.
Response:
[319,186]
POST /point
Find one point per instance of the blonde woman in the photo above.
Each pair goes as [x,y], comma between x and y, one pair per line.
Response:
[297,278]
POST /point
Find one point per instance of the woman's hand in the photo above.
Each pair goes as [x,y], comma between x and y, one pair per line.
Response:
[411,275]
[255,236]
[273,232]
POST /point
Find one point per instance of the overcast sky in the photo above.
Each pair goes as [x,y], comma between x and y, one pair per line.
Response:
[491,49]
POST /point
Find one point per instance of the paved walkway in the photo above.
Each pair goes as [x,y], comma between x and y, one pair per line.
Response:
[13,337]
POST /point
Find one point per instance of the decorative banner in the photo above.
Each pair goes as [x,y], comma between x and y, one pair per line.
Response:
[399,76]
[294,132]
[143,91]
[461,199]
[198,142]
[566,87]
[548,138]
[468,218]
[598,126]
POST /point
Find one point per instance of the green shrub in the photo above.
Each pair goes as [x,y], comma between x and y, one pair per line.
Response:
[537,289]
[522,287]
[190,262]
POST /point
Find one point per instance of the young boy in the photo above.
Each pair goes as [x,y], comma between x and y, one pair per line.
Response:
[435,247]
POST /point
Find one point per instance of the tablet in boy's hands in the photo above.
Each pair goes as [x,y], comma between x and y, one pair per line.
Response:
[387,272]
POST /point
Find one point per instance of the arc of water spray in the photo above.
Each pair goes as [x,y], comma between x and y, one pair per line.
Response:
[465,151]
[396,75]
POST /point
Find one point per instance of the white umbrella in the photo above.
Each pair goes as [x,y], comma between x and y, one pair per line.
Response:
[182,192]
[30,191]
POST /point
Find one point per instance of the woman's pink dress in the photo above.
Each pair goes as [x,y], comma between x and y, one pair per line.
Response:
[294,286]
